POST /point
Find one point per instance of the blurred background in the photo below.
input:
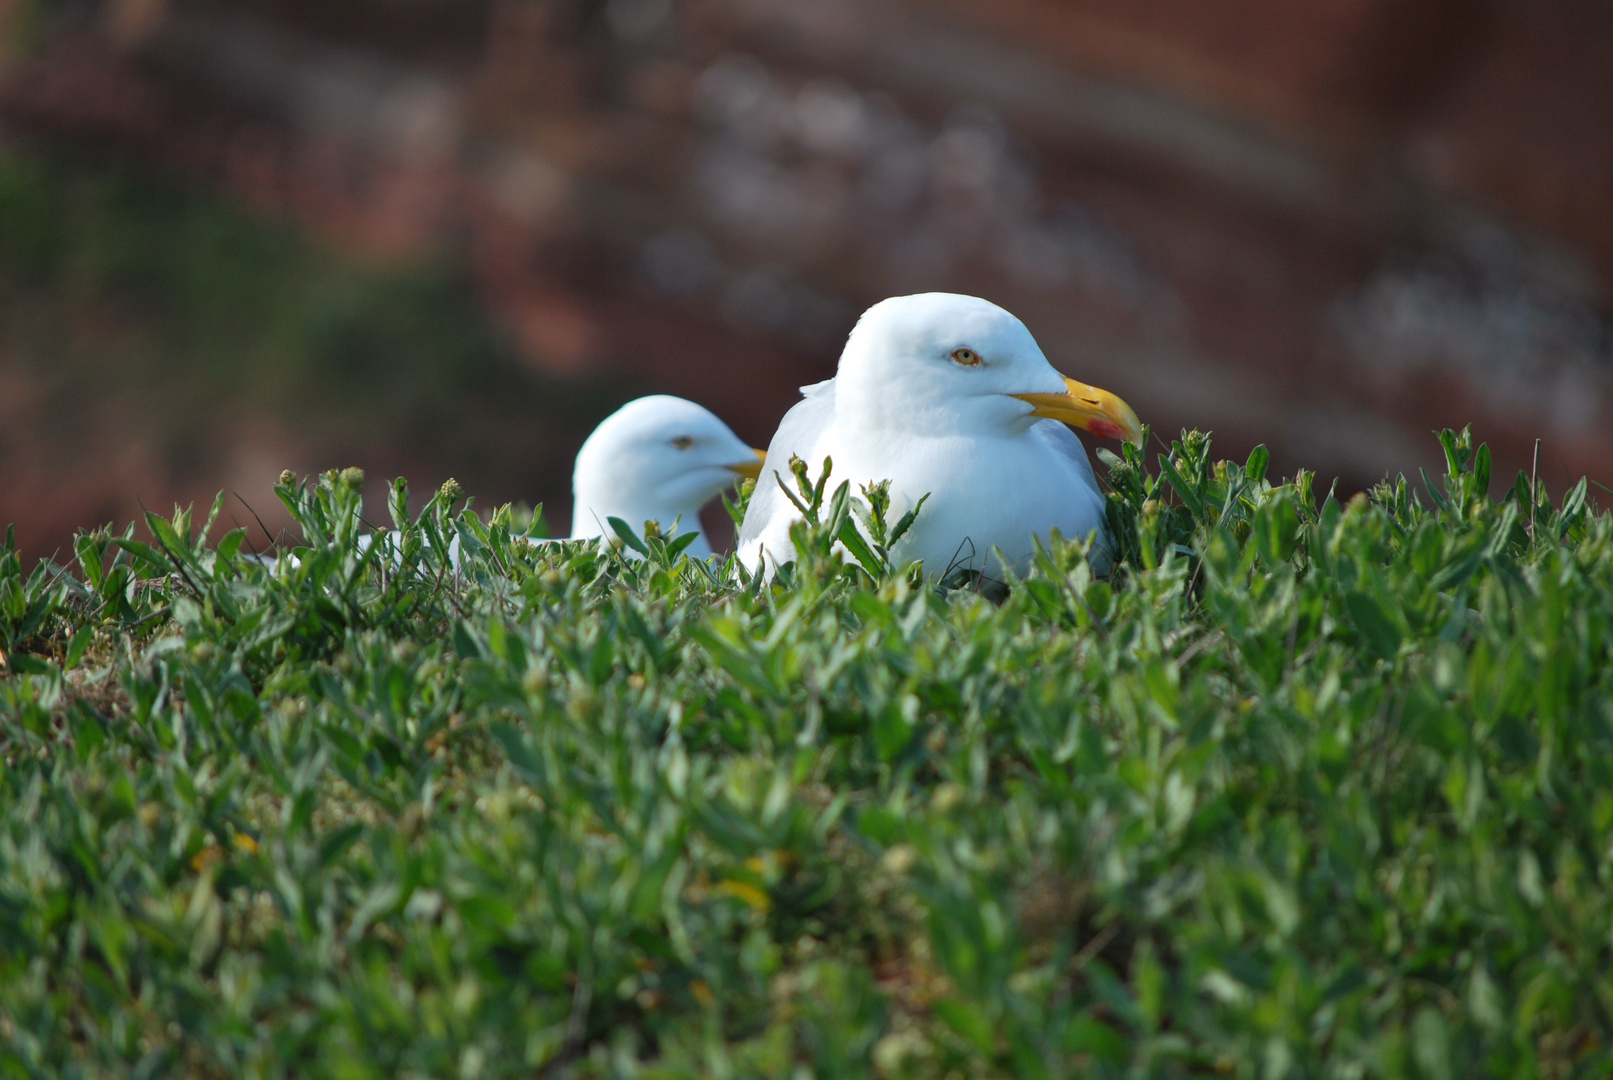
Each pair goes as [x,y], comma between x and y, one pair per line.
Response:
[446,237]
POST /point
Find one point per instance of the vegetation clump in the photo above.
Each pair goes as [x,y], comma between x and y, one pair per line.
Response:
[1302,789]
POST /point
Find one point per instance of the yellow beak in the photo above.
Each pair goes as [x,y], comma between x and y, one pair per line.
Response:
[751,469]
[1083,406]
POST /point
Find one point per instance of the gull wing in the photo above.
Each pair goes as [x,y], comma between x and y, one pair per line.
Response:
[797,435]
[1061,438]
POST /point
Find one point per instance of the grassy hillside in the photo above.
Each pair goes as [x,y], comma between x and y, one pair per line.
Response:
[1305,789]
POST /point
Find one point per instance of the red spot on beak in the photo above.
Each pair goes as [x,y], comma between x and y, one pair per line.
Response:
[1106,429]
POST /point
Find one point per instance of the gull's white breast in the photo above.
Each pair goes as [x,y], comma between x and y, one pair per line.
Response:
[984,491]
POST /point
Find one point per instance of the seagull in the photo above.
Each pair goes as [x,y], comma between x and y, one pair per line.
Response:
[658,458]
[947,396]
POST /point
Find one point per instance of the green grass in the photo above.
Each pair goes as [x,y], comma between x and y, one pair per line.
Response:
[1305,789]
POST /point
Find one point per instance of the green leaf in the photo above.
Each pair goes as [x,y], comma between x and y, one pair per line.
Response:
[231,543]
[602,661]
[76,647]
[1184,491]
[852,538]
[175,545]
[678,544]
[1276,529]
[907,519]
[467,643]
[969,1021]
[334,844]
[1255,467]
[1086,1035]
[1376,628]
[520,755]
[892,733]
[627,535]
[23,664]
[155,561]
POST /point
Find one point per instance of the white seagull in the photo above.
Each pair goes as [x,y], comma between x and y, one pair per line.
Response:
[949,396]
[657,458]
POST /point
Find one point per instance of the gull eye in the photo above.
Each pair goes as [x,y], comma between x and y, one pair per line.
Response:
[683,442]
[965,357]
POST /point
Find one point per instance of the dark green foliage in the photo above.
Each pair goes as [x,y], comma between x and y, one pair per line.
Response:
[177,314]
[1302,789]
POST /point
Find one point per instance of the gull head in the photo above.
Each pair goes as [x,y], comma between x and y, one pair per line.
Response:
[948,364]
[656,457]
